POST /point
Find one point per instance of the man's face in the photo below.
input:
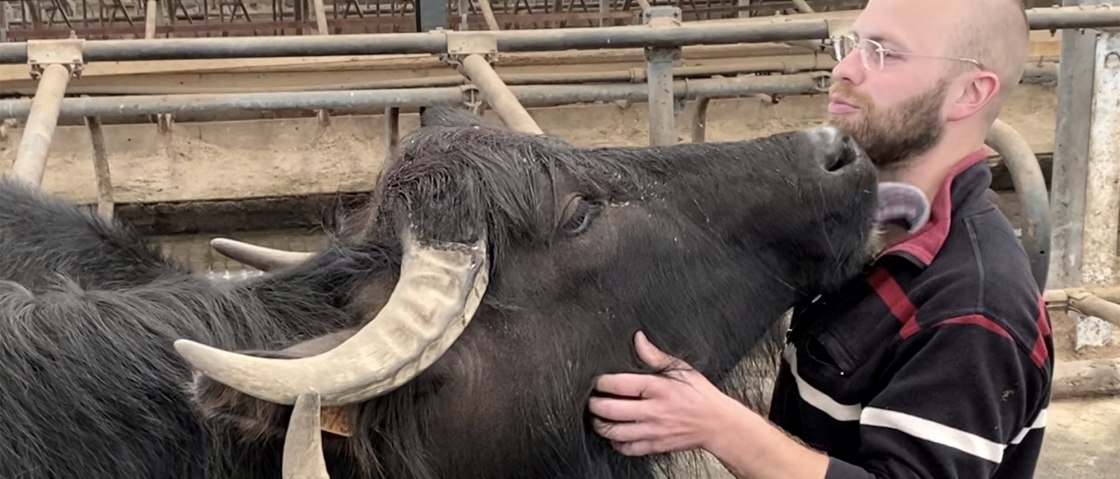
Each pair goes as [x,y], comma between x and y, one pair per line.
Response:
[894,113]
[891,132]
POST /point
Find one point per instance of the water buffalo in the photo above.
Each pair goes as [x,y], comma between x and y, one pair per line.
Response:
[452,326]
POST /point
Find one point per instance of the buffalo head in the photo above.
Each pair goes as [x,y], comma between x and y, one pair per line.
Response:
[518,267]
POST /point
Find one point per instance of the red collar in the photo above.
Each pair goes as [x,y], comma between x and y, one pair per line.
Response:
[924,244]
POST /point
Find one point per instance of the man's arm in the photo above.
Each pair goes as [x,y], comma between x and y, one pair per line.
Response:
[961,392]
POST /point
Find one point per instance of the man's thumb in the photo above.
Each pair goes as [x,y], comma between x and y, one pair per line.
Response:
[650,354]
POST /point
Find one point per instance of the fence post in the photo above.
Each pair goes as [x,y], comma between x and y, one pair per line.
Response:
[659,77]
[1102,189]
[52,62]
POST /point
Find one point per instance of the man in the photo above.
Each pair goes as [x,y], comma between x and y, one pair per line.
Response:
[937,362]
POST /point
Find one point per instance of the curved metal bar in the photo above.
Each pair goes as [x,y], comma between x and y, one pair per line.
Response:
[1030,186]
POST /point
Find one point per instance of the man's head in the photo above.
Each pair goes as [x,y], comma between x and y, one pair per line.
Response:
[921,71]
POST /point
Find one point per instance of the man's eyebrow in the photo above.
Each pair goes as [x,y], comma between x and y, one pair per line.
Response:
[886,40]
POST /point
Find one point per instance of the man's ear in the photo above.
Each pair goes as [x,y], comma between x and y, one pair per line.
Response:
[257,420]
[979,90]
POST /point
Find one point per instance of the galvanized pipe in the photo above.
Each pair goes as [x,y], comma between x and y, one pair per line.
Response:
[101,167]
[662,117]
[42,117]
[1030,187]
[1071,154]
[392,132]
[661,114]
[698,33]
[151,18]
[1102,193]
[320,17]
[700,120]
[527,95]
[1088,16]
[430,42]
[498,95]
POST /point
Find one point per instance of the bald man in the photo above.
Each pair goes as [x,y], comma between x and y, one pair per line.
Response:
[937,362]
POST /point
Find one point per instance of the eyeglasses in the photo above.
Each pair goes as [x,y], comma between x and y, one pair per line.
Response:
[873,54]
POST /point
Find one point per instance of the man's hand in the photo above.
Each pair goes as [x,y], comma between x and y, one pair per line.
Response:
[651,414]
[656,413]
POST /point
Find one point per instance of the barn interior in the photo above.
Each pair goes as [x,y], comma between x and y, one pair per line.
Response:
[258,146]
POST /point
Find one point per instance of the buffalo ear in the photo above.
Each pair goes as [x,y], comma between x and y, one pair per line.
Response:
[258,420]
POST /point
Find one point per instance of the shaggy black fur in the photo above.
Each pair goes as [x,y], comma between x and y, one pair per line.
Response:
[701,246]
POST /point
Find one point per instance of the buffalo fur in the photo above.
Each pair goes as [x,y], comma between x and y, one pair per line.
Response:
[701,246]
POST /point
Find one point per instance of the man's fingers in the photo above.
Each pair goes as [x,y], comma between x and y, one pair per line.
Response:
[623,431]
[618,410]
[638,448]
[630,385]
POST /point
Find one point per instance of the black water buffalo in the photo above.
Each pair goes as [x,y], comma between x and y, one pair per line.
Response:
[452,326]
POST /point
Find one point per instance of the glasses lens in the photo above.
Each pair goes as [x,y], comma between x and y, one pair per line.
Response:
[841,47]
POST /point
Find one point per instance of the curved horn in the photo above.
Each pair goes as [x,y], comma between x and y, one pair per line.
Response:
[303,444]
[437,295]
[264,259]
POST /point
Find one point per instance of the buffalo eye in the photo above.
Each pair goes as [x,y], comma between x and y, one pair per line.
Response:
[579,215]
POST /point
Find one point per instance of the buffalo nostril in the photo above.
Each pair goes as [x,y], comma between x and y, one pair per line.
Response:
[834,149]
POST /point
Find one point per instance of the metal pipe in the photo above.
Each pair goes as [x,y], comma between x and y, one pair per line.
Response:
[803,6]
[488,14]
[498,95]
[1086,378]
[1071,153]
[1090,304]
[534,95]
[799,84]
[320,17]
[101,167]
[696,33]
[662,115]
[1030,186]
[392,132]
[1073,17]
[431,42]
[700,120]
[1102,192]
[31,159]
[151,18]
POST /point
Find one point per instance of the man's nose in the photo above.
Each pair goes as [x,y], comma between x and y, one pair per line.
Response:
[849,69]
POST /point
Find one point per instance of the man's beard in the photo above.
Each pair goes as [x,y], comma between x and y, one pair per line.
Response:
[893,137]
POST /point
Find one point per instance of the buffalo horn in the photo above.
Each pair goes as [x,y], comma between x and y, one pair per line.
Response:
[303,444]
[437,295]
[264,259]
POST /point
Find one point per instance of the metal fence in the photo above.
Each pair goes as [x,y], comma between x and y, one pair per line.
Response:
[122,19]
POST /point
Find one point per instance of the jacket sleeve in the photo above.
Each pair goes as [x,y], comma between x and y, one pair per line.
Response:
[962,396]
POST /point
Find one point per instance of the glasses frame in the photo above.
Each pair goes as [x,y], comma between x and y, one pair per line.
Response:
[861,45]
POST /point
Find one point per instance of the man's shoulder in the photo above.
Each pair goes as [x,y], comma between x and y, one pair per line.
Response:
[984,273]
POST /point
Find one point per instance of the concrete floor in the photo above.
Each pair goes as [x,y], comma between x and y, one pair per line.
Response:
[1082,440]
